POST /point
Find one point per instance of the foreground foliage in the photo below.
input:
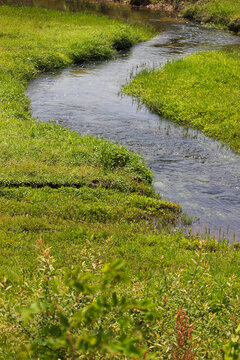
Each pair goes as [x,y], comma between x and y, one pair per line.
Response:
[94,310]
[200,91]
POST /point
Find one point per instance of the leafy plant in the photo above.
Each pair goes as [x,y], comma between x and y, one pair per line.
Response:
[232,349]
[79,311]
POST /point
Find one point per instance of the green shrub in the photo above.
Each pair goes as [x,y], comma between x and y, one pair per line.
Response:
[76,312]
[93,311]
[232,348]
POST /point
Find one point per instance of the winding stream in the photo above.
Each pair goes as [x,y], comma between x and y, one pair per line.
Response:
[188,167]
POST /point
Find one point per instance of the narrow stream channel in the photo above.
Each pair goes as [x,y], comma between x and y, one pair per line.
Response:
[188,167]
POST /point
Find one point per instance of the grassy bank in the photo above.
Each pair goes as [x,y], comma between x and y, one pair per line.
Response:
[223,13]
[219,12]
[92,201]
[46,161]
[200,91]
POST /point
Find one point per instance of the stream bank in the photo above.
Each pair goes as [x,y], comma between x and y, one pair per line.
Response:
[188,167]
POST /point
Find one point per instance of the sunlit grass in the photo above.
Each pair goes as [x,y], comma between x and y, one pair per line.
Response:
[200,91]
[219,12]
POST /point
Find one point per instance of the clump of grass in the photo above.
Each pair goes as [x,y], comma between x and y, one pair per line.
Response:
[200,91]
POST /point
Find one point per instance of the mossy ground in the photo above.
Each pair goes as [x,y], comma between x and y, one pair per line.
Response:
[93,200]
[200,91]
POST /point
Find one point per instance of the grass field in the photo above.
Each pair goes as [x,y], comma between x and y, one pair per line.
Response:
[92,201]
[38,158]
[200,91]
[219,12]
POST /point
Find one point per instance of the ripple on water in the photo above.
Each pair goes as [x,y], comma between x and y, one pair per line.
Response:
[188,167]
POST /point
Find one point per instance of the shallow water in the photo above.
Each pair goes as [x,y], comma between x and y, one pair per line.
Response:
[188,167]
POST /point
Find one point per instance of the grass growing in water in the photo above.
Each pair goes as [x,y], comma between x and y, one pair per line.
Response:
[201,91]
[92,201]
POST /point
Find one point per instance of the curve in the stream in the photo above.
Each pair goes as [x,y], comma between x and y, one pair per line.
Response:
[188,167]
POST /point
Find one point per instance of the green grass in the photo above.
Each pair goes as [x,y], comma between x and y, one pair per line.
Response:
[218,12]
[200,91]
[92,201]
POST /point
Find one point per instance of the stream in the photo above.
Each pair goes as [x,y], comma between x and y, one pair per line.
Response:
[188,167]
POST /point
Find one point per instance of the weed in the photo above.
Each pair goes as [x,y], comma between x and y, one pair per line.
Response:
[77,312]
[183,350]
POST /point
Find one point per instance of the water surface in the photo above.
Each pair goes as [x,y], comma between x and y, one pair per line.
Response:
[188,167]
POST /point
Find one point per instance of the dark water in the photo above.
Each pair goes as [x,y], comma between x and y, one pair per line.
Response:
[188,167]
